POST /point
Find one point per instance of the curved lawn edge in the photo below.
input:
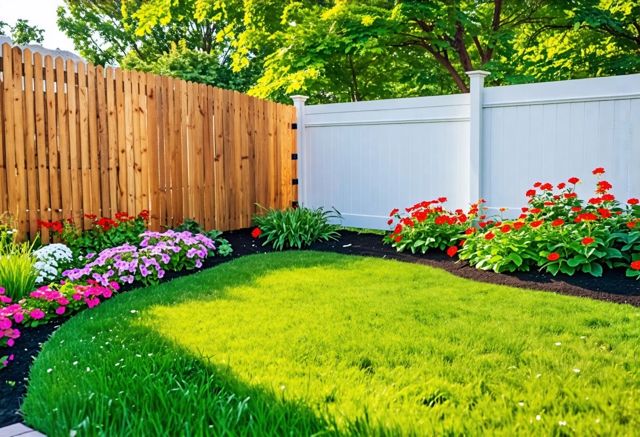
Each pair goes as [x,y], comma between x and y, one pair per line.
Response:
[350,243]
[86,325]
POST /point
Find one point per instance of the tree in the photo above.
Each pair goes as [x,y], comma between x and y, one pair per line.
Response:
[22,32]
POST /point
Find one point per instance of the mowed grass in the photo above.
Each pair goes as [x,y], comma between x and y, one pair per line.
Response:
[303,343]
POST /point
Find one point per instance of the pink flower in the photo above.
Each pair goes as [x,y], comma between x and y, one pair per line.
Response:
[36,314]
[60,310]
[18,317]
[11,342]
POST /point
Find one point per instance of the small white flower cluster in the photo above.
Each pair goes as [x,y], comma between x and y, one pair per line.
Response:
[50,259]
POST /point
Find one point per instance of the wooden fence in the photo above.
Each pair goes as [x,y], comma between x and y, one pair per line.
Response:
[77,139]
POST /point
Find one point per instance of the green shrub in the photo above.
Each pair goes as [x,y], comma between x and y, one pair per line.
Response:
[428,225]
[223,247]
[17,270]
[295,227]
[559,232]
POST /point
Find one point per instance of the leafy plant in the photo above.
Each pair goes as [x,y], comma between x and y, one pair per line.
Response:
[223,247]
[295,227]
[17,269]
[103,233]
[559,232]
[428,225]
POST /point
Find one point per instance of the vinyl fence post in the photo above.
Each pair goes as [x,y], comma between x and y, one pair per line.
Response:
[298,102]
[475,140]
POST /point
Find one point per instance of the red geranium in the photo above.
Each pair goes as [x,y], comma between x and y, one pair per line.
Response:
[570,195]
[574,180]
[389,221]
[603,187]
[489,236]
[633,201]
[586,217]
[561,185]
[531,193]
[536,223]
[635,265]
[598,170]
[546,187]
[604,212]
[451,251]
[257,232]
[393,212]
[505,228]
[106,223]
[553,256]
[587,241]
[518,225]
[557,222]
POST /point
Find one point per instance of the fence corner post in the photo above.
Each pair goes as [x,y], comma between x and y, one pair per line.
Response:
[298,102]
[475,126]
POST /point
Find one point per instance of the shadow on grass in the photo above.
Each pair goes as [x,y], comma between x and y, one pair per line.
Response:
[105,372]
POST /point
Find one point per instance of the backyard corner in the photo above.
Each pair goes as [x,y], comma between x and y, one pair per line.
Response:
[349,218]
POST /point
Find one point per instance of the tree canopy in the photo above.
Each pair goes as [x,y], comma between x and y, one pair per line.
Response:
[21,32]
[349,50]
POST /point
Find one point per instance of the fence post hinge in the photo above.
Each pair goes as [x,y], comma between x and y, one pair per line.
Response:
[294,126]
[294,156]
[294,181]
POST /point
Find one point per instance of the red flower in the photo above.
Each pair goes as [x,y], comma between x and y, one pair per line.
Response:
[553,256]
[586,217]
[549,203]
[631,225]
[397,229]
[595,201]
[530,193]
[442,199]
[536,223]
[90,216]
[576,209]
[604,212]
[469,231]
[635,265]
[489,236]
[505,228]
[557,222]
[518,225]
[535,210]
[389,221]
[441,220]
[587,241]
[257,232]
[598,170]
[570,195]
[608,197]
[537,184]
[561,185]
[546,187]
[106,223]
[397,238]
[525,209]
[452,251]
[574,180]
[603,187]
[393,212]
[144,215]
[633,201]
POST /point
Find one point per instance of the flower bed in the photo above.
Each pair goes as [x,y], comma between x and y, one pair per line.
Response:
[557,232]
[100,278]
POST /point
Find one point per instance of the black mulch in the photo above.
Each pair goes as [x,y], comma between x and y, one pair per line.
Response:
[613,287]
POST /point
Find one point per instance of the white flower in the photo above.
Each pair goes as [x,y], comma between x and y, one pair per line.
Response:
[49,260]
[562,423]
[538,417]
[558,343]
[576,370]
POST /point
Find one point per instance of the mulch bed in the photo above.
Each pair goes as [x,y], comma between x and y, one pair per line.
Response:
[613,287]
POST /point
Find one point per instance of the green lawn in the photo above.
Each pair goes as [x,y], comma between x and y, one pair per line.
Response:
[299,343]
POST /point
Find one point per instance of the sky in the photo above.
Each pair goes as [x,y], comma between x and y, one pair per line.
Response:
[41,13]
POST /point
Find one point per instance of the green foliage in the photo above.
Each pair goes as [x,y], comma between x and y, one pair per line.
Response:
[427,225]
[309,343]
[17,270]
[560,233]
[295,228]
[22,32]
[223,247]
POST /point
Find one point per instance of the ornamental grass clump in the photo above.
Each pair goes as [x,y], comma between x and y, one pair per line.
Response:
[18,273]
[559,232]
[428,225]
[295,228]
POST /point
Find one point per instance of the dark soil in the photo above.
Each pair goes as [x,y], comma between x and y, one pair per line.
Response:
[613,287]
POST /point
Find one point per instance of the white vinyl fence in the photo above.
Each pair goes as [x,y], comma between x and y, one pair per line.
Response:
[366,158]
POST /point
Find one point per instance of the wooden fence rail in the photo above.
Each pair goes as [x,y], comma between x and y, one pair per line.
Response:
[77,139]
